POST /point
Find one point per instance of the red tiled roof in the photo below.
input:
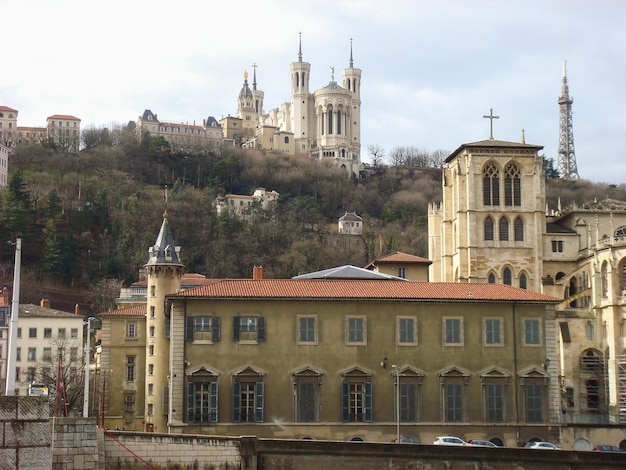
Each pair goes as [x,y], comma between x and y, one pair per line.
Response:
[399,257]
[136,311]
[363,290]
[26,128]
[64,116]
[188,126]
[6,108]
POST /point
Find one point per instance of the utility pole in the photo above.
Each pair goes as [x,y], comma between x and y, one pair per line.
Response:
[15,307]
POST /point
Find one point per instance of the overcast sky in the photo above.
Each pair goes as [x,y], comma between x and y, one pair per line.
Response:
[431,69]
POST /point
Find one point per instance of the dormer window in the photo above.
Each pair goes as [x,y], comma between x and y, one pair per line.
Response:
[168,253]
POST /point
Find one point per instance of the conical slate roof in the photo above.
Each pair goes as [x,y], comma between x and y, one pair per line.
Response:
[164,250]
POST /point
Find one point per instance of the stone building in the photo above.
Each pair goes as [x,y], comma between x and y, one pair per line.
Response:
[402,265]
[493,226]
[8,126]
[4,165]
[350,224]
[244,206]
[64,131]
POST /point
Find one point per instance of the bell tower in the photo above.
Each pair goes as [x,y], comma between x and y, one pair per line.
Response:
[300,102]
[164,272]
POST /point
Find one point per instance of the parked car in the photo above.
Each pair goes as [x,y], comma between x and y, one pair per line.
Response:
[481,443]
[541,445]
[450,441]
[408,440]
[605,448]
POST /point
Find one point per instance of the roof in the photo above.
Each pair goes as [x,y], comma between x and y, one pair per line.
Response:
[558,228]
[346,272]
[6,108]
[399,257]
[32,310]
[64,116]
[360,289]
[493,144]
[164,250]
[350,216]
[135,311]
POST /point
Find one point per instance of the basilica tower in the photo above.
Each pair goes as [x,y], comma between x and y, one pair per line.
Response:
[164,272]
[302,123]
[351,80]
[246,108]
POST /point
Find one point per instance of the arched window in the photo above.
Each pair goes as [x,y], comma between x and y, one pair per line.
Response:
[523,281]
[518,229]
[491,185]
[488,228]
[503,229]
[512,186]
[338,122]
[286,139]
[491,278]
[605,280]
[330,121]
[297,80]
[506,276]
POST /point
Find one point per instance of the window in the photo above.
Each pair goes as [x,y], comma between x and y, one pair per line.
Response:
[494,402]
[19,332]
[248,399]
[557,246]
[152,311]
[532,333]
[152,291]
[18,353]
[453,331]
[152,332]
[357,401]
[150,389]
[523,281]
[488,229]
[307,330]
[150,409]
[512,186]
[408,400]
[150,369]
[491,185]
[47,354]
[202,328]
[306,385]
[61,334]
[130,368]
[32,354]
[503,229]
[131,330]
[518,229]
[507,276]
[47,332]
[533,397]
[202,402]
[151,350]
[249,328]
[589,331]
[32,332]
[402,272]
[74,333]
[492,328]
[356,330]
[406,331]
[129,402]
[605,280]
[73,354]
[31,373]
[453,402]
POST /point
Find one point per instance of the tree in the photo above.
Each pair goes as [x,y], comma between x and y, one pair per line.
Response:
[51,255]
[377,154]
[550,171]
[103,294]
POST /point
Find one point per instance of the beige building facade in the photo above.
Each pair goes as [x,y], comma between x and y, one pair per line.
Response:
[64,131]
[4,165]
[244,206]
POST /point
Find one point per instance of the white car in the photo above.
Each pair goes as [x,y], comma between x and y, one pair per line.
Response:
[541,445]
[449,441]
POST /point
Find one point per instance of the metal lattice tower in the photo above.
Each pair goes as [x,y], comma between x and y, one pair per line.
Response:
[567,157]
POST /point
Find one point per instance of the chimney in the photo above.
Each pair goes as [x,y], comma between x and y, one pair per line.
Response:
[257,273]
[45,303]
[76,310]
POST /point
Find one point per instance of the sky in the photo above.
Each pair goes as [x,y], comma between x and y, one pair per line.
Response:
[430,69]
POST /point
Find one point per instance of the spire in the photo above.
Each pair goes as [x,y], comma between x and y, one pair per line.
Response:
[351,60]
[164,250]
[523,136]
[254,66]
[300,49]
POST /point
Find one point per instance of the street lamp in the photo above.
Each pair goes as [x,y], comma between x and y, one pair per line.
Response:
[87,367]
[395,367]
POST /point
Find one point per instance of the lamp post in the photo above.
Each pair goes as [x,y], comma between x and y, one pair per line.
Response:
[15,309]
[397,402]
[87,367]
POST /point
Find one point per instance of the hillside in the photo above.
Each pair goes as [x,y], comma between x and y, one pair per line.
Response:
[87,219]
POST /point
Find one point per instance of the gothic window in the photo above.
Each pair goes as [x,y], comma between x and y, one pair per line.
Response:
[523,281]
[512,186]
[491,185]
[518,229]
[491,278]
[506,276]
[488,228]
[605,280]
[503,229]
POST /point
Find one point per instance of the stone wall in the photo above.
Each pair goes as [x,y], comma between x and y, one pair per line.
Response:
[25,433]
[74,444]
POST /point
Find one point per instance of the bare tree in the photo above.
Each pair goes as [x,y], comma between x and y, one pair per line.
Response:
[103,294]
[377,154]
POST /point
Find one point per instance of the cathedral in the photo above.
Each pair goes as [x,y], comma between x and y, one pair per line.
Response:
[324,124]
